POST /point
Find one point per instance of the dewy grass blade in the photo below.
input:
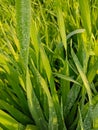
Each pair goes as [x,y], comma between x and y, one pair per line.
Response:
[23,16]
[83,76]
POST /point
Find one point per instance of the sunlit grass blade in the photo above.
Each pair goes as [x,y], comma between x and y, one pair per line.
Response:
[85,15]
[83,76]
[74,32]
[92,72]
[61,24]
[35,40]
[18,115]
[12,77]
[48,71]
[31,127]
[9,122]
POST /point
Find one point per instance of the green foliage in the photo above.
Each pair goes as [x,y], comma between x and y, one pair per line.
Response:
[48,65]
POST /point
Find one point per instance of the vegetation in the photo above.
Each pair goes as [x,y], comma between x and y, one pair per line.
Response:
[49,65]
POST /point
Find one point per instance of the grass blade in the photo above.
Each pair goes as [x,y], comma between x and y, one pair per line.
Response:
[12,77]
[9,122]
[31,127]
[34,39]
[84,78]
[67,78]
[23,16]
[61,23]
[74,32]
[48,71]
[18,115]
[88,119]
[34,105]
[53,121]
[71,98]
[85,14]
[81,120]
[92,72]
[95,116]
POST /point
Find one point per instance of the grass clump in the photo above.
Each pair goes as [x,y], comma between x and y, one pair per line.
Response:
[48,65]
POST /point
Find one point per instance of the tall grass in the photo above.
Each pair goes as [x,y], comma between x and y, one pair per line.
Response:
[48,65]
[23,17]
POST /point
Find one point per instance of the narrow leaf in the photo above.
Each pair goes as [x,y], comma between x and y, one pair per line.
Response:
[23,15]
[34,105]
[67,78]
[9,122]
[83,76]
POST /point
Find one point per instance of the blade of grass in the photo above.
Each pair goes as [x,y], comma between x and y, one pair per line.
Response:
[61,23]
[18,115]
[85,14]
[9,122]
[74,32]
[83,76]
[48,71]
[95,116]
[12,77]
[81,120]
[92,72]
[47,68]
[67,78]
[53,121]
[31,127]
[71,97]
[34,40]
[65,84]
[88,119]
[23,16]
[34,105]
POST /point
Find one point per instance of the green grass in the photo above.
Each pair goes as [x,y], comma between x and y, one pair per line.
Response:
[48,65]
